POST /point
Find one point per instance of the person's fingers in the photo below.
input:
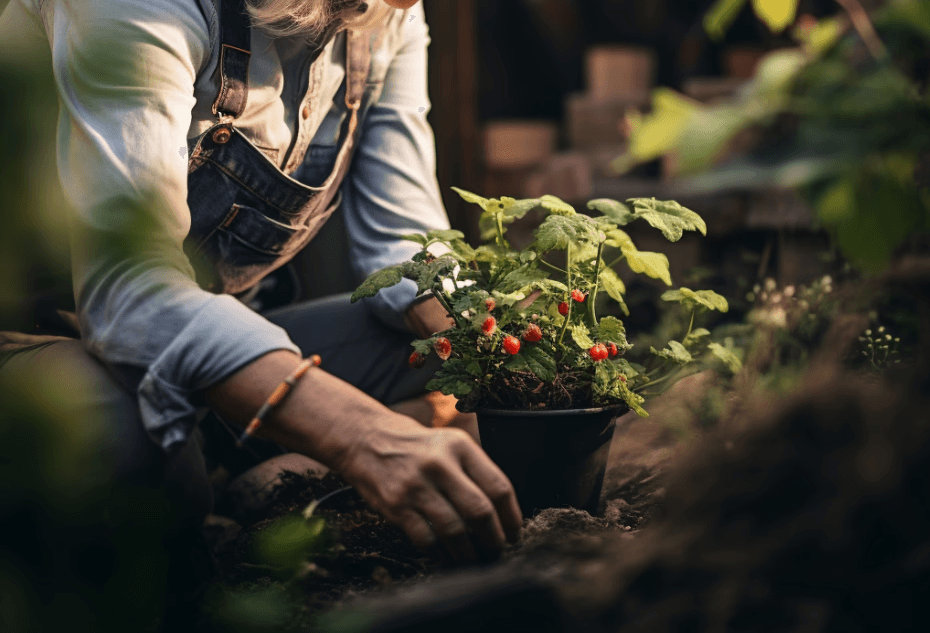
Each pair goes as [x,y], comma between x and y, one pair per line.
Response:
[448,526]
[421,534]
[477,510]
[494,483]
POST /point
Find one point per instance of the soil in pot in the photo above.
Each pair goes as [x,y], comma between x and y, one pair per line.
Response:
[555,459]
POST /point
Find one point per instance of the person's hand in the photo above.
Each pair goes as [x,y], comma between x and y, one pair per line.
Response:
[438,486]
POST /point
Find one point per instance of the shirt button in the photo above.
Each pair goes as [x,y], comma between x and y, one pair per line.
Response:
[306,112]
[221,136]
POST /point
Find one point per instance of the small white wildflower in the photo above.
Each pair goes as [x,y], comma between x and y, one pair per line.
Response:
[868,332]
[897,340]
[789,291]
[888,337]
[827,280]
[862,339]
[756,288]
[776,298]
[765,296]
[804,305]
[881,330]
[770,284]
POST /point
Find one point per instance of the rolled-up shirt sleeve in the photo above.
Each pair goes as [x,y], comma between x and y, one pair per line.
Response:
[125,72]
[392,190]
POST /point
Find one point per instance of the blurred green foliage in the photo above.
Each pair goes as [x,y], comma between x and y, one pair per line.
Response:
[844,117]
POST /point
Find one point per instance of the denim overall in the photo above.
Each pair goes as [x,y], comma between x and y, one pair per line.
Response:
[249,218]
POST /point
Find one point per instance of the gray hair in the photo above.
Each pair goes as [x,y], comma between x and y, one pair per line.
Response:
[310,18]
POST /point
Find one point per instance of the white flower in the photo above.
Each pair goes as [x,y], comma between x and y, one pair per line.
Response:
[789,291]
[881,330]
[868,332]
[770,284]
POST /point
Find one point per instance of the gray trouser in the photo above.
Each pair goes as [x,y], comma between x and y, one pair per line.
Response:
[354,346]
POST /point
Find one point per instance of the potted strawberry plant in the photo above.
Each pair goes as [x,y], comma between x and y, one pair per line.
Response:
[528,353]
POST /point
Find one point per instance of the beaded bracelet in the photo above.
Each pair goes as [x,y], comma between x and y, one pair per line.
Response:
[277,397]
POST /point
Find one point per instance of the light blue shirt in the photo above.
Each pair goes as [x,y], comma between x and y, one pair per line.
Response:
[136,80]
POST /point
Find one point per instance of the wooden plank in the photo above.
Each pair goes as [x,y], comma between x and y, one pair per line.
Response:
[453,77]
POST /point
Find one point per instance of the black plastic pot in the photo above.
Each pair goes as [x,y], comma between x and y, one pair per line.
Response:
[554,459]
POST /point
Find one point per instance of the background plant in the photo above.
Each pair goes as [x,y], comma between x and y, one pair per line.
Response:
[844,118]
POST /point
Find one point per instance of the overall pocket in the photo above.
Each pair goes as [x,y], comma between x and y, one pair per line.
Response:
[247,237]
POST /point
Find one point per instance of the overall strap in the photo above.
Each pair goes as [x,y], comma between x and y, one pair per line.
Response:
[358,63]
[236,39]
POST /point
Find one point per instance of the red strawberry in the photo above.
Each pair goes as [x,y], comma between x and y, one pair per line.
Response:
[532,334]
[489,326]
[417,360]
[612,349]
[598,352]
[563,308]
[490,304]
[578,296]
[511,345]
[443,348]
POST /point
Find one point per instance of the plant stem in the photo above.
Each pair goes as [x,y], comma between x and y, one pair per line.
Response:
[592,306]
[568,279]
[664,378]
[690,326]
[616,261]
[438,293]
[500,231]
[863,25]
[553,267]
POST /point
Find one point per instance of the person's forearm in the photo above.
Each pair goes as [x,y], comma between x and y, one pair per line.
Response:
[317,418]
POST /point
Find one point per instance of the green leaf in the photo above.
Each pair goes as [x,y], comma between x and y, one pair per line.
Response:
[702,298]
[669,217]
[613,210]
[534,359]
[487,225]
[658,133]
[384,278]
[777,14]
[696,337]
[445,235]
[614,287]
[451,384]
[603,379]
[550,287]
[611,329]
[462,251]
[558,231]
[625,368]
[508,299]
[489,253]
[473,198]
[520,278]
[581,336]
[676,352]
[516,209]
[424,346]
[729,359]
[720,16]
[440,267]
[557,206]
[654,265]
[415,237]
[633,400]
